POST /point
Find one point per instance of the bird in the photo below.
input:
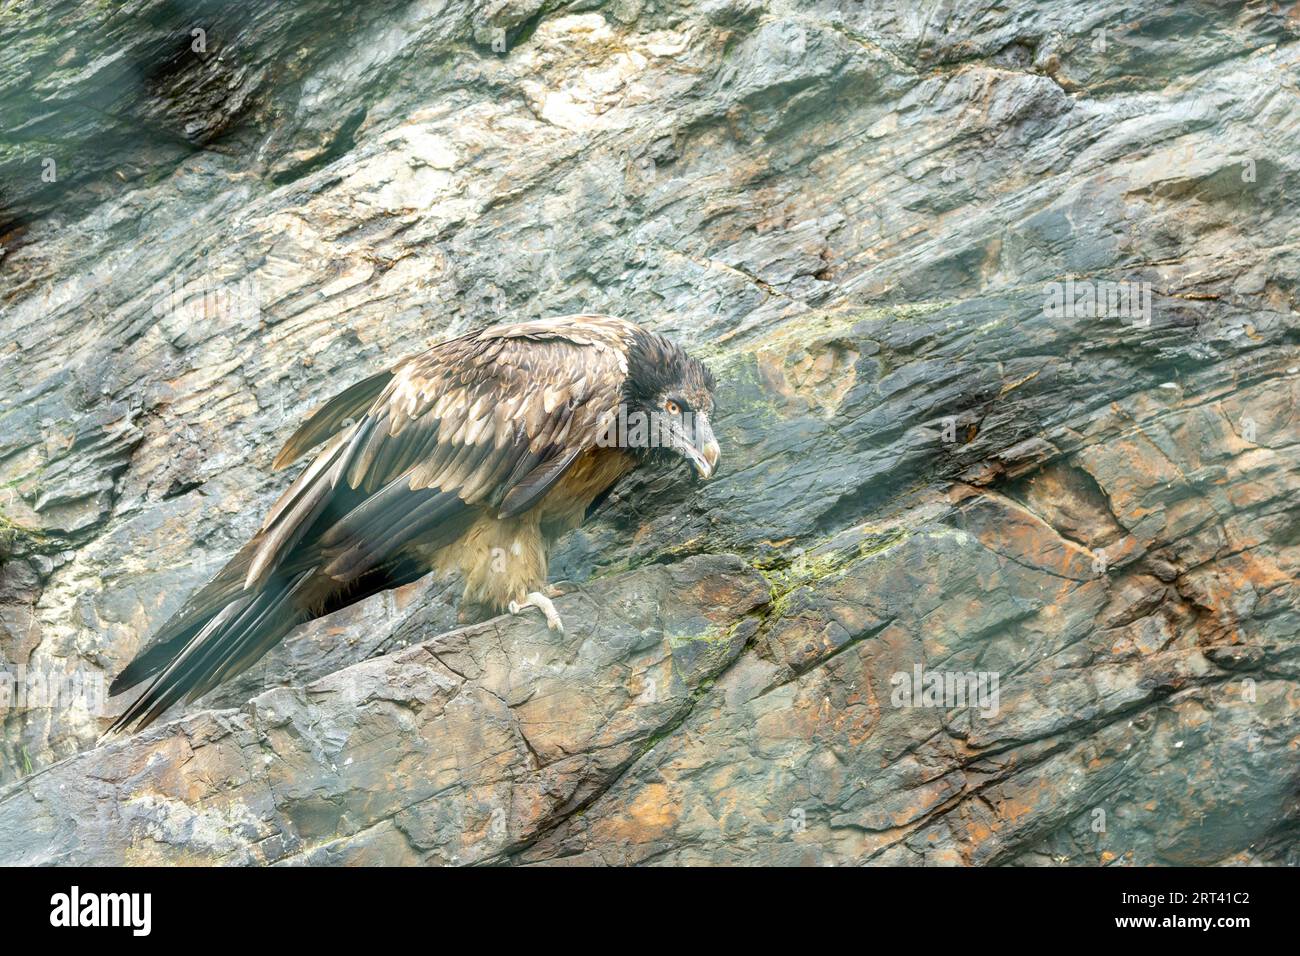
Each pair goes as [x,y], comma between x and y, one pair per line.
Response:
[472,457]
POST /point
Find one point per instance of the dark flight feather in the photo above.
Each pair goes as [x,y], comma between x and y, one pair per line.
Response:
[538,482]
[325,421]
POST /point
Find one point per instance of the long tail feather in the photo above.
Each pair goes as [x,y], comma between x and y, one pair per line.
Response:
[207,652]
[180,629]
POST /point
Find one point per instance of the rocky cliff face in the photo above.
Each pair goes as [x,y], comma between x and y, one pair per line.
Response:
[1001,563]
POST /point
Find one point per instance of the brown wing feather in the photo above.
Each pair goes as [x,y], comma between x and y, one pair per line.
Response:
[490,419]
[330,417]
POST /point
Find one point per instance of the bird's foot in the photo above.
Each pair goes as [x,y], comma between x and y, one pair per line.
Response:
[542,603]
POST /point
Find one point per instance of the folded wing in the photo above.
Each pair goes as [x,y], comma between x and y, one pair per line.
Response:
[491,420]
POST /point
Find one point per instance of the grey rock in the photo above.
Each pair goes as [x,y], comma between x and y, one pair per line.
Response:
[855,213]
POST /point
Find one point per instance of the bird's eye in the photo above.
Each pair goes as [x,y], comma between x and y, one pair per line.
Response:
[672,407]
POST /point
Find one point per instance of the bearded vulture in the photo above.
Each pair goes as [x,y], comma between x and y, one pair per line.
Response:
[471,457]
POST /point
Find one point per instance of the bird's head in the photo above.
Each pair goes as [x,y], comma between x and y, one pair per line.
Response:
[668,404]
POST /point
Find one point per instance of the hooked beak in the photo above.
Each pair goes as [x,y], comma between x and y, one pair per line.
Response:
[704,452]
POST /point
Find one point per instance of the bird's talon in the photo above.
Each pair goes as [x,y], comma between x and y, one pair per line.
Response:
[542,603]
